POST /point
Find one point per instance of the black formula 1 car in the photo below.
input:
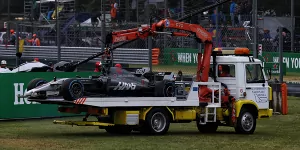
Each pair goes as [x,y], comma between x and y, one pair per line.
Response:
[116,82]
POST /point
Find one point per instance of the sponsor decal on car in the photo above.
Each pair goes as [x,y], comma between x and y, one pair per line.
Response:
[125,86]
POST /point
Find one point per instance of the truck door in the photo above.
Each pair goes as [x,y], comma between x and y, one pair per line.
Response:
[256,85]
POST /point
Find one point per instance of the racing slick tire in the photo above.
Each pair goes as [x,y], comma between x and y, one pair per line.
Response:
[118,129]
[72,89]
[35,83]
[165,88]
[246,122]
[157,122]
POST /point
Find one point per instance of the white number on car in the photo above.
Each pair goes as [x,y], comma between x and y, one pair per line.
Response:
[125,86]
[140,71]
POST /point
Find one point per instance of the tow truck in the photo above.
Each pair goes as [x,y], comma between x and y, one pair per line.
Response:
[236,100]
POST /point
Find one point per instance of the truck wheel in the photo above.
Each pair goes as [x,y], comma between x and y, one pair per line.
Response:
[157,122]
[118,130]
[35,83]
[209,127]
[246,122]
[72,89]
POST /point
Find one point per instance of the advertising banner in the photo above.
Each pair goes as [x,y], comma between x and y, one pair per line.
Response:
[13,84]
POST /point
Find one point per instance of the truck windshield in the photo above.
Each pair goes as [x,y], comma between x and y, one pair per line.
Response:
[254,73]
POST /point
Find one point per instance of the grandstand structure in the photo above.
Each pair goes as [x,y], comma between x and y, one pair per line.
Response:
[75,28]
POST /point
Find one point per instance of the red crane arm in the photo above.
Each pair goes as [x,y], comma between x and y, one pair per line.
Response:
[131,34]
[195,30]
[200,34]
[203,65]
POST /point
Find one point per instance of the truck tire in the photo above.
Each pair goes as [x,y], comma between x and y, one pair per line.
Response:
[72,89]
[157,122]
[246,122]
[118,129]
[35,83]
[209,127]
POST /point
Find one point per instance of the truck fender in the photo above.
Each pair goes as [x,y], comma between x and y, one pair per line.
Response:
[144,112]
[239,105]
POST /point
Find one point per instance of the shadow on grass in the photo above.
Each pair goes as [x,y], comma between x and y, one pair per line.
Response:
[171,133]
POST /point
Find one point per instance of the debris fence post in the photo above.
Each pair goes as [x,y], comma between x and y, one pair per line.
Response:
[17,43]
[280,55]
[254,25]
[102,25]
[293,25]
[57,32]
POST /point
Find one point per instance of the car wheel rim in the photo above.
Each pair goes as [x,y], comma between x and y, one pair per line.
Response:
[158,122]
[76,89]
[247,121]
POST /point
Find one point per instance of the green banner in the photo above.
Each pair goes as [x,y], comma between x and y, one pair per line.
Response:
[292,60]
[188,57]
[275,68]
[179,56]
[13,84]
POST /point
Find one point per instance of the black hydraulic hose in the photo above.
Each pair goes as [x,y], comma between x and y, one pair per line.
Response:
[70,67]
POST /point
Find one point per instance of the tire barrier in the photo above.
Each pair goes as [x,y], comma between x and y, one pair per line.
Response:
[155,56]
[279,98]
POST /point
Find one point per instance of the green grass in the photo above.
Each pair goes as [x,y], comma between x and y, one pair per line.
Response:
[278,133]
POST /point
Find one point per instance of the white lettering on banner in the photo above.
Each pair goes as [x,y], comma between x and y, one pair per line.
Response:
[260,94]
[184,57]
[284,60]
[125,86]
[295,63]
[19,90]
[195,56]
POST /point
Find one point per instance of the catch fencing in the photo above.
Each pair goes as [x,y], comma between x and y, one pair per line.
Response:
[88,28]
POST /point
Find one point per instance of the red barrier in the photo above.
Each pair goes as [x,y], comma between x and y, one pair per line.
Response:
[284,106]
[155,55]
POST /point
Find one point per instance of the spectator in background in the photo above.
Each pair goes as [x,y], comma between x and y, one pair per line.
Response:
[94,18]
[36,60]
[3,64]
[50,12]
[213,18]
[12,40]
[98,66]
[237,14]
[232,12]
[267,36]
[113,13]
[34,41]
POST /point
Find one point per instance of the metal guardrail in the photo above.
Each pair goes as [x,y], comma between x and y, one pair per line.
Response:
[120,55]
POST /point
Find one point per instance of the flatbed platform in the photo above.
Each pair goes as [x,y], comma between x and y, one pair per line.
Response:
[123,101]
